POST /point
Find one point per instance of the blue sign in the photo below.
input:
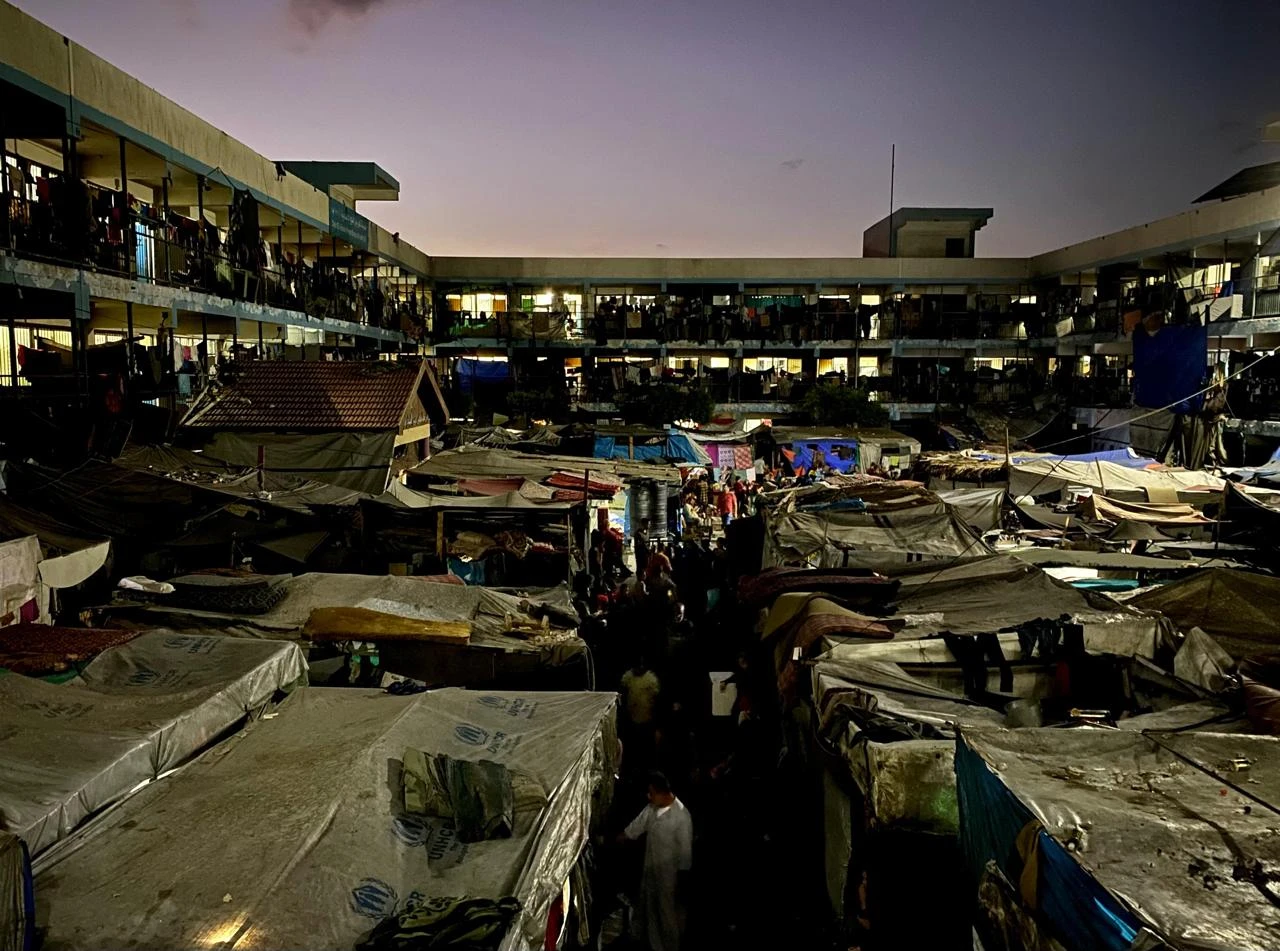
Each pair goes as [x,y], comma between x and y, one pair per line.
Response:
[348,225]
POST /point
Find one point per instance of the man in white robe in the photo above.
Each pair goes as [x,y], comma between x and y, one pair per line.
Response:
[668,855]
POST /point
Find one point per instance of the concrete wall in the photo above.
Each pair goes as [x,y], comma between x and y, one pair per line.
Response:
[1206,224]
[110,94]
[928,239]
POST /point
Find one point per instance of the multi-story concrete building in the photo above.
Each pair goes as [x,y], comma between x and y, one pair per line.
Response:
[122,213]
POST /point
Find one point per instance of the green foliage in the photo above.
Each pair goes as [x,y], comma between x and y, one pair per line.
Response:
[831,404]
[663,405]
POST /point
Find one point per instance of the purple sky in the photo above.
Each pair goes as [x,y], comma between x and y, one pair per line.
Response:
[722,127]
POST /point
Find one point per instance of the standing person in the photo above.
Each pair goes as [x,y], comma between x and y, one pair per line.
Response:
[668,856]
[640,689]
[641,542]
[727,506]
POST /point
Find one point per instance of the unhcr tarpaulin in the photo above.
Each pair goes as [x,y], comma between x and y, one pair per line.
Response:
[1239,609]
[980,509]
[294,835]
[135,711]
[1109,832]
[1046,477]
[845,538]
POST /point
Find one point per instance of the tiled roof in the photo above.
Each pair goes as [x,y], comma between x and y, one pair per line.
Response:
[292,396]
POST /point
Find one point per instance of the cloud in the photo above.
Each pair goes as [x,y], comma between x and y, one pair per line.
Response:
[314,15]
[791,164]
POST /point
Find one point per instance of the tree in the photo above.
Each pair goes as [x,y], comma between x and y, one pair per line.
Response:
[662,405]
[830,404]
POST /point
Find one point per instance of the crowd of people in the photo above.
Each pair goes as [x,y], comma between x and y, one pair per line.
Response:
[699,735]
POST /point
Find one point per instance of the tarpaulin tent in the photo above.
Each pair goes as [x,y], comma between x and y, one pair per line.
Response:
[490,655]
[677,446]
[1000,592]
[295,834]
[1151,513]
[1107,834]
[868,539]
[1239,609]
[980,509]
[1045,477]
[135,711]
[17,899]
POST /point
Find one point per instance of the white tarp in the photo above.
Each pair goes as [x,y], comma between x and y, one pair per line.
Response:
[67,571]
[137,710]
[293,835]
[1046,476]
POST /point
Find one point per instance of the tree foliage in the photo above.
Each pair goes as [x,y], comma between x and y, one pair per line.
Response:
[663,405]
[830,404]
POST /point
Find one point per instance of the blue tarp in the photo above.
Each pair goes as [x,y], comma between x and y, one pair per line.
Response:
[829,448]
[471,372]
[1121,457]
[677,447]
[1080,911]
[1169,366]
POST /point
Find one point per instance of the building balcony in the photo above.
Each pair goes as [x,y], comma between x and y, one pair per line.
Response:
[124,251]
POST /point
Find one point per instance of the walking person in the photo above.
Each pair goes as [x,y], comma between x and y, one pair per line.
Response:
[641,542]
[668,856]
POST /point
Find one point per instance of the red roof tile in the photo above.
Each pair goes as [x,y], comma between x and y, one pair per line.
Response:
[293,396]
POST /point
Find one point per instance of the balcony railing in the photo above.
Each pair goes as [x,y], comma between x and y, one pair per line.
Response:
[175,251]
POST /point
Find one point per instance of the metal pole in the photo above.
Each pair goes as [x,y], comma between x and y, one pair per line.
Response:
[164,195]
[204,337]
[128,334]
[125,215]
[893,169]
[13,351]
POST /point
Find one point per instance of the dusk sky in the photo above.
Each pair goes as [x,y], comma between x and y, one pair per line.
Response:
[722,127]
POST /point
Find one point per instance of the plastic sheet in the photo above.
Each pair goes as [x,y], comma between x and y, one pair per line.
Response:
[1127,832]
[293,834]
[135,711]
[16,920]
[876,540]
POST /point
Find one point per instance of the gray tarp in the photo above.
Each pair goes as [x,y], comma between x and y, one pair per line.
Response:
[905,781]
[291,835]
[137,710]
[358,461]
[1171,840]
[485,608]
[838,538]
[977,508]
[999,591]
[14,922]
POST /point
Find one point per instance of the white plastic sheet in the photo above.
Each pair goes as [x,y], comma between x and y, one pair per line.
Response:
[137,710]
[292,834]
